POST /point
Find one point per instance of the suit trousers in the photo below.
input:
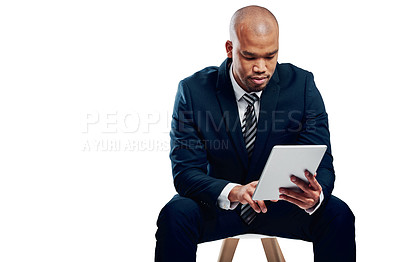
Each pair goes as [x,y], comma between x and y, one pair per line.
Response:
[184,223]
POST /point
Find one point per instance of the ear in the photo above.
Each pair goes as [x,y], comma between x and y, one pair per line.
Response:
[229,48]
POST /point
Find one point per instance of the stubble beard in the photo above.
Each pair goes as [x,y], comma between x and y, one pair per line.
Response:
[250,87]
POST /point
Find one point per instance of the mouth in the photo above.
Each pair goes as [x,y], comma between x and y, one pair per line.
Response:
[259,80]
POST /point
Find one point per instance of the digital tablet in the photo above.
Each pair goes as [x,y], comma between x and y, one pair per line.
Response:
[283,162]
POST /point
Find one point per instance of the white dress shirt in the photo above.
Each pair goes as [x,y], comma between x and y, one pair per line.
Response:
[223,201]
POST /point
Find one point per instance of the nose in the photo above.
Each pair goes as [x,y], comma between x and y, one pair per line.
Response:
[260,66]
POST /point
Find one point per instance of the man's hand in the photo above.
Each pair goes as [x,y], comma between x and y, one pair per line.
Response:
[309,196]
[243,195]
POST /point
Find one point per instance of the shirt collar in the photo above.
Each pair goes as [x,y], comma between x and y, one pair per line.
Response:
[239,92]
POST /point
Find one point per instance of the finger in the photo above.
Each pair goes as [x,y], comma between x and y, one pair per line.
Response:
[255,206]
[313,181]
[262,206]
[275,200]
[298,199]
[300,183]
[253,184]
[252,203]
[293,201]
[292,194]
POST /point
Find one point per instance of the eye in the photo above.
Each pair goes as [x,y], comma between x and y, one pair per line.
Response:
[249,58]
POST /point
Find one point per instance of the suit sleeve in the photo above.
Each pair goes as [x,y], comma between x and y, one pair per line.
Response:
[188,154]
[315,130]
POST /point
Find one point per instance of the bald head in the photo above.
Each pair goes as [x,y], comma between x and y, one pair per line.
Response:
[252,19]
[253,47]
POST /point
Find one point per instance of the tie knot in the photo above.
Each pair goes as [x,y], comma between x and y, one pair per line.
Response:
[250,98]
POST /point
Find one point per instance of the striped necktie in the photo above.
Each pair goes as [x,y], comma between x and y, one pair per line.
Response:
[249,129]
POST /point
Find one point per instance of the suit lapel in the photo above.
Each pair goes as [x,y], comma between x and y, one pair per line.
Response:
[229,110]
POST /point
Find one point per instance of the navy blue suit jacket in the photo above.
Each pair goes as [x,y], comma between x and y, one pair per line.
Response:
[207,145]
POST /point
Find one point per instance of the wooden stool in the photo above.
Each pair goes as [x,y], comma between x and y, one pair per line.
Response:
[271,248]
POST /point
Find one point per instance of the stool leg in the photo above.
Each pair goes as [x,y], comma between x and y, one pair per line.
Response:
[272,250]
[228,249]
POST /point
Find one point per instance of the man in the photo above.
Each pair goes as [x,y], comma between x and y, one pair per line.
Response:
[225,122]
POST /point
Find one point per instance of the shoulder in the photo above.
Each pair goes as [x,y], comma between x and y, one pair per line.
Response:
[202,77]
[201,82]
[198,91]
[289,73]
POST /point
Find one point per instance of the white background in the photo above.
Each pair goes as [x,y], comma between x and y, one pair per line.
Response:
[87,89]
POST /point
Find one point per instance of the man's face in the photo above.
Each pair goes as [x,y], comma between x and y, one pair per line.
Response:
[254,59]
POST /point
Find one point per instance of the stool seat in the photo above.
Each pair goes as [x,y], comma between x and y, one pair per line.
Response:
[251,236]
[271,247]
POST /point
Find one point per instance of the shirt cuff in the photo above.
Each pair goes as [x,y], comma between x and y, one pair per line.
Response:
[311,211]
[223,201]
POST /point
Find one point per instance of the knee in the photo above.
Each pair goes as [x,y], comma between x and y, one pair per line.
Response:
[341,214]
[345,214]
[178,213]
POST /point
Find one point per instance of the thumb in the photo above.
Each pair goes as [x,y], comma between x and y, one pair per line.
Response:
[254,183]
